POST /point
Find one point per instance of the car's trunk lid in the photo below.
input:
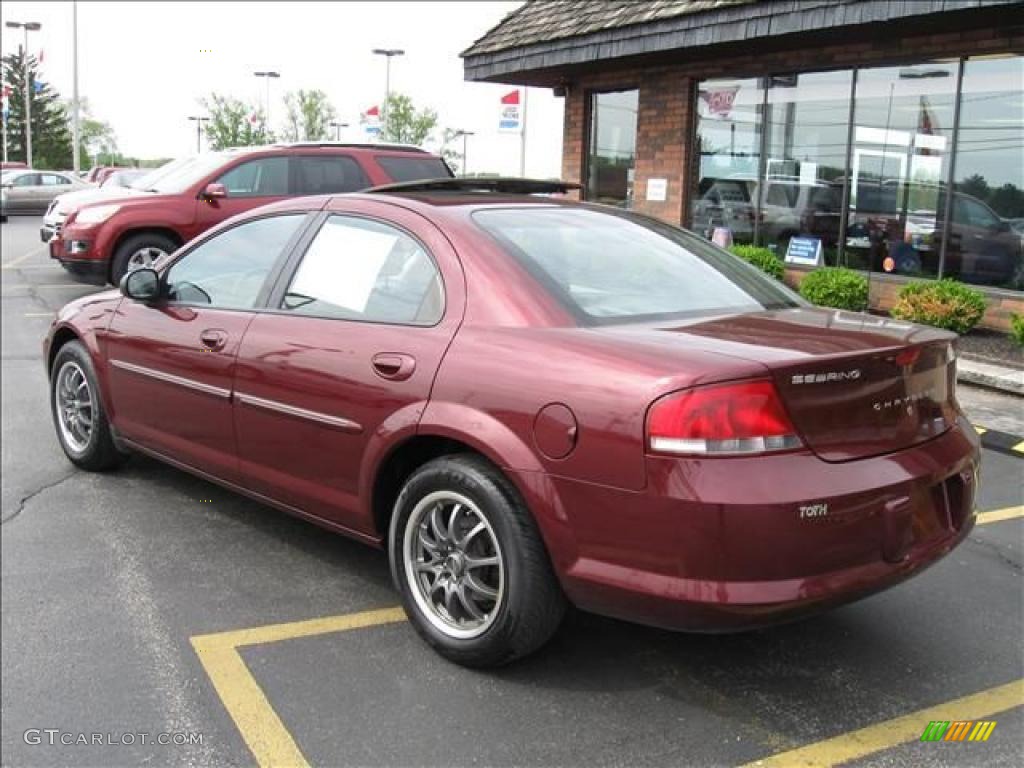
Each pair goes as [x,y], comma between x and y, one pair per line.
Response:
[854,385]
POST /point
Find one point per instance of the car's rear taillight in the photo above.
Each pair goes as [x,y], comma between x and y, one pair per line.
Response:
[725,419]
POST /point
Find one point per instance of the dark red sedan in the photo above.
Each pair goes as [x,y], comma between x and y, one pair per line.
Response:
[529,402]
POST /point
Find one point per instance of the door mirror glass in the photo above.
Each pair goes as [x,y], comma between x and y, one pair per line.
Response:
[141,284]
[215,190]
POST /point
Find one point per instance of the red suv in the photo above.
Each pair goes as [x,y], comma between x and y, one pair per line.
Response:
[101,241]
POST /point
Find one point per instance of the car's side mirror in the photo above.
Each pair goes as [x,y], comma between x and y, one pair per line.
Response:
[215,190]
[141,284]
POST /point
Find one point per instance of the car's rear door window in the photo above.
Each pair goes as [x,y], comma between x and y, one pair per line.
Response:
[413,167]
[327,175]
[613,267]
[366,270]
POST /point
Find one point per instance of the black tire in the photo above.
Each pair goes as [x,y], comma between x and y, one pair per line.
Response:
[131,245]
[530,604]
[98,453]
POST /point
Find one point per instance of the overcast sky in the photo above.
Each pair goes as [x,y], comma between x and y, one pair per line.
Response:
[143,65]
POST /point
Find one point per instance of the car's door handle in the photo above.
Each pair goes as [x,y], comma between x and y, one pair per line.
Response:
[394,365]
[213,338]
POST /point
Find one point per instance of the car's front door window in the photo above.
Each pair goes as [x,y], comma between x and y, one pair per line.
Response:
[229,270]
[264,177]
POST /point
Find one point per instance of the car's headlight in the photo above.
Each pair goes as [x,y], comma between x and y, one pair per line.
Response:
[97,214]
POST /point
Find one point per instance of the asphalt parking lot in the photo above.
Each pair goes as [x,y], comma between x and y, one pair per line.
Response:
[150,602]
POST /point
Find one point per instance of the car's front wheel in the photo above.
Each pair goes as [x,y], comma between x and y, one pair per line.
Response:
[81,423]
[469,563]
[146,249]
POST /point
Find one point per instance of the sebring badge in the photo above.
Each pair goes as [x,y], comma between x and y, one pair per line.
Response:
[820,378]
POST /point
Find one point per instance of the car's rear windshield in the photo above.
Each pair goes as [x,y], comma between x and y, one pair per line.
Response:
[413,167]
[618,267]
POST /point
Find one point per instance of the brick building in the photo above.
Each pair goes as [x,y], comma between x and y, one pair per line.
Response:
[832,127]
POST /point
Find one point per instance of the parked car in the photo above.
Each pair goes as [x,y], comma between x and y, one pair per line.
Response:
[29,191]
[97,173]
[12,165]
[123,178]
[102,240]
[53,219]
[527,402]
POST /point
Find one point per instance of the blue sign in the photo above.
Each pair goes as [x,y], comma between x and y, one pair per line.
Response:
[805,251]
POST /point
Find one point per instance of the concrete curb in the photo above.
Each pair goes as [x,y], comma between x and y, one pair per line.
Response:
[1003,442]
[996,377]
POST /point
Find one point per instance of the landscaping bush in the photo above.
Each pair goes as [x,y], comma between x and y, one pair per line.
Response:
[836,287]
[945,304]
[1017,328]
[762,258]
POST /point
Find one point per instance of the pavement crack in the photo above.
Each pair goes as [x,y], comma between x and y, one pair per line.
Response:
[32,495]
[998,552]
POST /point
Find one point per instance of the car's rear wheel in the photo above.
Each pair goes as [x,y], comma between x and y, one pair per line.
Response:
[143,250]
[469,563]
[81,423]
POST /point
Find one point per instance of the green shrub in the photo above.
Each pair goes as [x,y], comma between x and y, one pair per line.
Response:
[1017,328]
[762,258]
[945,304]
[836,287]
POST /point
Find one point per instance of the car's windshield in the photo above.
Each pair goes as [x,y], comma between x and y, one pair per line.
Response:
[153,175]
[122,178]
[610,267]
[185,176]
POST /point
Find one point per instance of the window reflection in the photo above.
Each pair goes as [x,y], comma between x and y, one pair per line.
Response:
[729,143]
[902,141]
[612,159]
[806,118]
[984,243]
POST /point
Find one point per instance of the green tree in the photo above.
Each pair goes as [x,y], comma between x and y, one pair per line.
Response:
[97,138]
[406,124]
[51,135]
[309,116]
[233,123]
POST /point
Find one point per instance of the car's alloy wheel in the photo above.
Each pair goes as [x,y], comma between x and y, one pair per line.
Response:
[145,257]
[453,564]
[78,415]
[470,565]
[75,405]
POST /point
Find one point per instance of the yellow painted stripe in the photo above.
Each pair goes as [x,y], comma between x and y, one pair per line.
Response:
[260,726]
[980,430]
[891,733]
[1019,447]
[262,730]
[272,633]
[998,515]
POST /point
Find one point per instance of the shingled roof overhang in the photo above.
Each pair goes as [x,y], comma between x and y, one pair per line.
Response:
[546,42]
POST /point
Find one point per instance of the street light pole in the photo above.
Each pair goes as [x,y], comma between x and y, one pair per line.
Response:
[199,130]
[464,135]
[28,26]
[76,135]
[337,130]
[387,53]
[267,77]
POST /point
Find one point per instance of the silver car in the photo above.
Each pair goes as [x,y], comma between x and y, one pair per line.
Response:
[30,191]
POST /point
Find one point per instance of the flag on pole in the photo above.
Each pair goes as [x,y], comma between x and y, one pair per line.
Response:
[511,120]
[254,117]
[370,120]
[42,55]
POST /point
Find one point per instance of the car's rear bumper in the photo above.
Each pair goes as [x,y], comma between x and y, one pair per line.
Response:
[722,545]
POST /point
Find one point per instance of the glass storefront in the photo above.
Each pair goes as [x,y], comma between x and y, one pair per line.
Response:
[612,149]
[729,144]
[861,162]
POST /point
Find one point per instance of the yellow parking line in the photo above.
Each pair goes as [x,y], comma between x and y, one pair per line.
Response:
[1019,447]
[998,515]
[261,728]
[15,262]
[980,430]
[891,733]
